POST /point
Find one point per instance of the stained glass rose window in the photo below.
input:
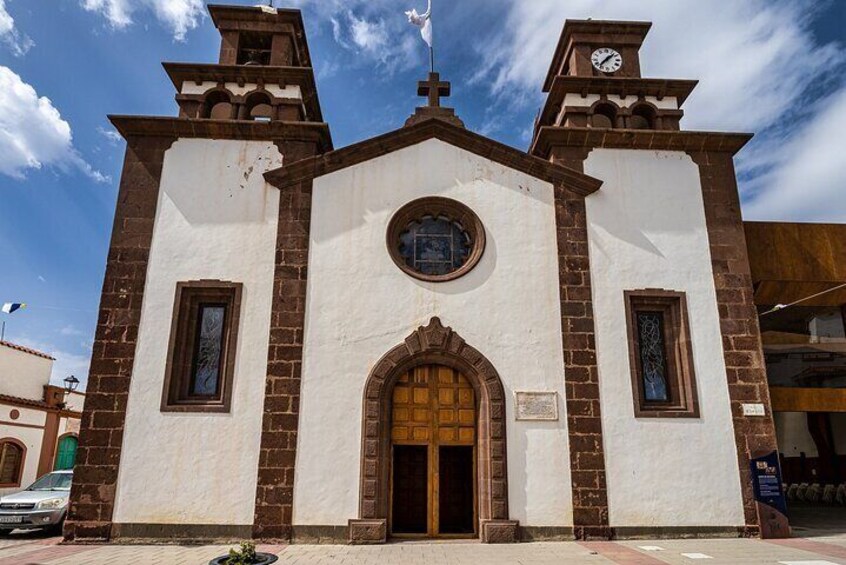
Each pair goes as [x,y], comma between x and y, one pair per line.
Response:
[435,239]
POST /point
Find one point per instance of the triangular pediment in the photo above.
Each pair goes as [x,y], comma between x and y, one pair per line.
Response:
[434,128]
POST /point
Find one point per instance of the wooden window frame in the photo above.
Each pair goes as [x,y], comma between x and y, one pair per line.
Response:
[19,477]
[176,396]
[681,379]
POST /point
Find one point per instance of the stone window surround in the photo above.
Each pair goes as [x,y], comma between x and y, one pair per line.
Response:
[436,344]
[182,340]
[681,379]
[436,206]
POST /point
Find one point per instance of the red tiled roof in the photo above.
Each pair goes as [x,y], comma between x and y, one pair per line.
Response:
[18,401]
[26,350]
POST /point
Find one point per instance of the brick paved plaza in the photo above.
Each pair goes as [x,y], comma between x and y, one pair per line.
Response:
[824,550]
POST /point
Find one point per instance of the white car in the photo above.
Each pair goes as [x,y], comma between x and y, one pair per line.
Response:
[43,505]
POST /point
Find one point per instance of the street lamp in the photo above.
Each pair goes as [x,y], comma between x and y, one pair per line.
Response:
[71,384]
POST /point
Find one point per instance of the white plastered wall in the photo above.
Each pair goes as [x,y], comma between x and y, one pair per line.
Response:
[647,230]
[288,91]
[23,430]
[360,305]
[216,219]
[23,374]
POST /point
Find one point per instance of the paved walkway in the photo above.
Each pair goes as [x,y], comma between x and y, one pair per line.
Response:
[32,549]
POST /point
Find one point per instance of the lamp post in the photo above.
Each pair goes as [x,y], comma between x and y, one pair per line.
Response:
[71,384]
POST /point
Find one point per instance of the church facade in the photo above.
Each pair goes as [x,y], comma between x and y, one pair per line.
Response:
[427,333]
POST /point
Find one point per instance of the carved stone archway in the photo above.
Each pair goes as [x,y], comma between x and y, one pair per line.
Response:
[433,344]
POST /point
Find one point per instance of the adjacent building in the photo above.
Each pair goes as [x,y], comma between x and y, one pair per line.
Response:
[804,266]
[39,422]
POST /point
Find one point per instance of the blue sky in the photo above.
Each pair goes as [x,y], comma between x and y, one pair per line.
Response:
[771,67]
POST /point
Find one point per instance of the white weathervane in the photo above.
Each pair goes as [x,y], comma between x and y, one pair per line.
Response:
[424,22]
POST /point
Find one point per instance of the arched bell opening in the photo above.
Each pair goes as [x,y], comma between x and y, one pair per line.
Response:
[217,105]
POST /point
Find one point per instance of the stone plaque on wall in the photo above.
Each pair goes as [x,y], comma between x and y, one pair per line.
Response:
[536,405]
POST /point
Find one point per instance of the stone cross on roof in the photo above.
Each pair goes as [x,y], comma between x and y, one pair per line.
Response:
[434,88]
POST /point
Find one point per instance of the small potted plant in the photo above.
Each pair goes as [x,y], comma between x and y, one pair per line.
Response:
[245,555]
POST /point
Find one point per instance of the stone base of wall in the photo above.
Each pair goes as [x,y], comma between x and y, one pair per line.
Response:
[677,532]
[546,533]
[181,532]
[368,531]
[364,532]
[320,535]
[500,531]
[86,532]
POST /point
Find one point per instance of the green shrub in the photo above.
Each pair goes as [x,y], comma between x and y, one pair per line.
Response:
[246,555]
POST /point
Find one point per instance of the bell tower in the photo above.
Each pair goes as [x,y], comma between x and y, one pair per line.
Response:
[263,73]
[595,81]
[604,118]
[250,111]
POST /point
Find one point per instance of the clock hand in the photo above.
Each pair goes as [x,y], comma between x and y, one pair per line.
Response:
[606,59]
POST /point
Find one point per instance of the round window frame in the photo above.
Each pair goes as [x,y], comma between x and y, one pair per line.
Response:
[436,206]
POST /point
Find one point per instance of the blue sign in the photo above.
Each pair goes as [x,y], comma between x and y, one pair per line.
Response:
[766,482]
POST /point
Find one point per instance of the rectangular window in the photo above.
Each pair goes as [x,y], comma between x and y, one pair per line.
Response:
[660,354]
[201,354]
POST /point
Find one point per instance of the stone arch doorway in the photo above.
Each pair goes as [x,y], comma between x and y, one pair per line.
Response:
[434,345]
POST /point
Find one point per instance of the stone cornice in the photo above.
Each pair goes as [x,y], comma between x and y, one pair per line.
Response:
[303,77]
[320,165]
[619,86]
[664,140]
[147,126]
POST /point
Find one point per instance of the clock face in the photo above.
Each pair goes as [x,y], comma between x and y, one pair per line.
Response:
[606,60]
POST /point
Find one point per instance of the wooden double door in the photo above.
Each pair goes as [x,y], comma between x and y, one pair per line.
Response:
[433,471]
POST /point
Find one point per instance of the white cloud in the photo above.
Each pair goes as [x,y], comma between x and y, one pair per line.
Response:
[179,16]
[375,30]
[368,36]
[758,64]
[809,183]
[71,330]
[753,58]
[32,132]
[110,134]
[18,43]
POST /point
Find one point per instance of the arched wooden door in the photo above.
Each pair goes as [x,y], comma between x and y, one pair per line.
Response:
[433,461]
[66,453]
